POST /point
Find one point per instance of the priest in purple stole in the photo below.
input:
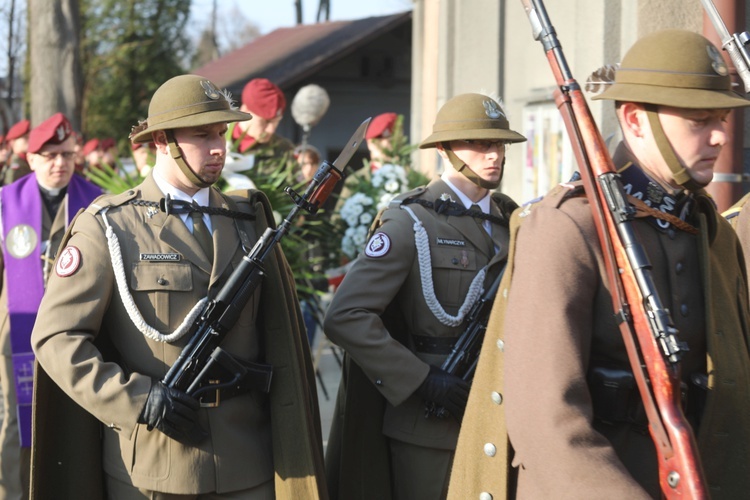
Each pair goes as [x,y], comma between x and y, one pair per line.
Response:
[34,213]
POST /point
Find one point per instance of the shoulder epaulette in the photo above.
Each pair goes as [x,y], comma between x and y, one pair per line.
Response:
[106,201]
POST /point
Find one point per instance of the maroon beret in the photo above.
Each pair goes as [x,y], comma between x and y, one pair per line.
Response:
[263,98]
[90,146]
[381,126]
[107,143]
[17,130]
[53,130]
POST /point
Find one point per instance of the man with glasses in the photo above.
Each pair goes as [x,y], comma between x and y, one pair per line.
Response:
[35,211]
[403,305]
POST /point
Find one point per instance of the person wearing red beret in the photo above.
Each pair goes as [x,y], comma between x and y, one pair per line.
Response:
[266,103]
[378,139]
[34,214]
[17,139]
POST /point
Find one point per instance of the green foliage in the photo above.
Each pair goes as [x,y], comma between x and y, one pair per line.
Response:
[111,181]
[129,48]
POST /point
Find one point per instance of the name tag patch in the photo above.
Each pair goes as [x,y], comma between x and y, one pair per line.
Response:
[450,242]
[160,257]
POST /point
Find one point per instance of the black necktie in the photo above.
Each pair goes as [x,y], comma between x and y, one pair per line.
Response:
[200,231]
[480,224]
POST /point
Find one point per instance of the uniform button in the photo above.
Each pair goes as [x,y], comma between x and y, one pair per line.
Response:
[679,267]
[501,345]
[671,234]
[161,281]
[497,398]
[454,261]
[684,310]
[485,496]
[490,450]
[378,382]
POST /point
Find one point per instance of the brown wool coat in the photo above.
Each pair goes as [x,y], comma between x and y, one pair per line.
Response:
[558,321]
[90,323]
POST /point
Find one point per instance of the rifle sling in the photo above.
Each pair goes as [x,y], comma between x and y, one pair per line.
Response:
[433,345]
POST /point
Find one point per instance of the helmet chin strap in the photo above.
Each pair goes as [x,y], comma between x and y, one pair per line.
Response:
[462,167]
[176,154]
[679,173]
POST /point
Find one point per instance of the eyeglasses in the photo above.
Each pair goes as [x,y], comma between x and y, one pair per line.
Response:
[66,155]
[484,145]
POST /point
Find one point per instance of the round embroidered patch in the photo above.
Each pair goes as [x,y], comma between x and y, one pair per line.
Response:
[68,262]
[21,241]
[378,246]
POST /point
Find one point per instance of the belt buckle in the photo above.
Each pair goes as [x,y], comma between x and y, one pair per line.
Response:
[214,403]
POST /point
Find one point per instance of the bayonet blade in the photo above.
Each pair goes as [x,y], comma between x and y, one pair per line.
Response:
[351,146]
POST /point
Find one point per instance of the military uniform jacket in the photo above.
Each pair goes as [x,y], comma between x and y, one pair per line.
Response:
[16,168]
[379,315]
[559,324]
[88,344]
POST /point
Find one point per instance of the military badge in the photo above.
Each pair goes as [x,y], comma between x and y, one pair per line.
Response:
[21,241]
[717,62]
[68,262]
[210,90]
[492,110]
[378,246]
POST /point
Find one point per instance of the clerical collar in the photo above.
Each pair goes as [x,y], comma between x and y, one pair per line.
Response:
[52,198]
[639,185]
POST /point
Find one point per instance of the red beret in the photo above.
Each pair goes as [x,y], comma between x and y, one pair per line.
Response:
[107,143]
[90,146]
[381,126]
[53,130]
[19,129]
[263,98]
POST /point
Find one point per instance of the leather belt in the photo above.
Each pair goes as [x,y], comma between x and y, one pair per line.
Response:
[237,378]
[433,345]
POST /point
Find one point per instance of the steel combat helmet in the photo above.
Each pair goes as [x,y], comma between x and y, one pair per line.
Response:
[186,101]
[470,117]
[675,68]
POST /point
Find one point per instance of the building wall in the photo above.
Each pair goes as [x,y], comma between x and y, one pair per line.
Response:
[487,46]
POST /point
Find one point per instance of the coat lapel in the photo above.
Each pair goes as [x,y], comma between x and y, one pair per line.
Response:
[226,241]
[464,224]
[172,231]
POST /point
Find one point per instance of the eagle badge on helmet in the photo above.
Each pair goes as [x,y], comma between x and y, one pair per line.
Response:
[211,91]
[717,62]
[492,109]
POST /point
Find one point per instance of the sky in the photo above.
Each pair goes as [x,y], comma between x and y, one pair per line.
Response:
[271,14]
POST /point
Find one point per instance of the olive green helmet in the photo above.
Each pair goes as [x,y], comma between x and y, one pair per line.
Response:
[470,117]
[676,68]
[186,101]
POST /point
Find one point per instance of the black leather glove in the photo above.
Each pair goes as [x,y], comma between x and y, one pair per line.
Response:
[446,390]
[174,413]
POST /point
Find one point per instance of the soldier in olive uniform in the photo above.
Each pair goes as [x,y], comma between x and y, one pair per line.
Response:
[34,213]
[574,415]
[18,140]
[402,306]
[117,315]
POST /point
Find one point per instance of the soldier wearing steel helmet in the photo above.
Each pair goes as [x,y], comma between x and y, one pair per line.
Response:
[574,416]
[126,279]
[402,306]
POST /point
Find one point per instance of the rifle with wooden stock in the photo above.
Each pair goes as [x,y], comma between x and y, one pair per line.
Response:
[650,337]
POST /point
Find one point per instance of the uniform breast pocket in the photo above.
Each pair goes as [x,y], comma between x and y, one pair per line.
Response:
[453,269]
[161,292]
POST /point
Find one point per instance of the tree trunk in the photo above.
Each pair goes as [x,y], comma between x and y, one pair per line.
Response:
[54,60]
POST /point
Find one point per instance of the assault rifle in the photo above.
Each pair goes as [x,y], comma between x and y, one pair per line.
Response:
[219,315]
[463,359]
[735,45]
[647,329]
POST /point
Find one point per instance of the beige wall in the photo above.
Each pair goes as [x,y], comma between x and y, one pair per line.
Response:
[487,46]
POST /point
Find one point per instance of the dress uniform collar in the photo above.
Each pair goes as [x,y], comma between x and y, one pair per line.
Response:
[484,203]
[201,197]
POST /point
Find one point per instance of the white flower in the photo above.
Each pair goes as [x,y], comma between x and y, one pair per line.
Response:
[366,218]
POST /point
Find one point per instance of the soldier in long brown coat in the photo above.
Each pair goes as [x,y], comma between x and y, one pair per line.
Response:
[402,306]
[574,416]
[117,316]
